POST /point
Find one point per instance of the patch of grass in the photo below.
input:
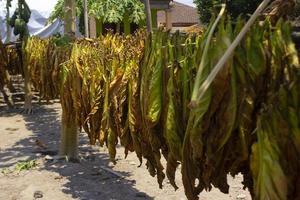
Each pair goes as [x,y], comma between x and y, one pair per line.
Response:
[5,171]
[25,165]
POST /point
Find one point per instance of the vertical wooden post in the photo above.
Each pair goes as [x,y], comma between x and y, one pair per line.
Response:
[70,18]
[86,19]
[69,134]
[168,19]
[92,25]
[148,16]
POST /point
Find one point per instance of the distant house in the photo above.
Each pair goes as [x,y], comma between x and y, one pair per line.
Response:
[178,17]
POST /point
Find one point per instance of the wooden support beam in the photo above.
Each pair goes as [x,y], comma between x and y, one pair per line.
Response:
[148,16]
[168,13]
[86,19]
[92,25]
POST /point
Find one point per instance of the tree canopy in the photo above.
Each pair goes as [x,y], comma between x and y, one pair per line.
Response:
[59,11]
[111,11]
[20,18]
[235,8]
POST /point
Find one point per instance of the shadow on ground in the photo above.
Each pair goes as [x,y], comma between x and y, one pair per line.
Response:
[87,180]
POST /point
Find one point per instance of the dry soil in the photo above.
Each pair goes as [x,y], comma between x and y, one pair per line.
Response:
[94,178]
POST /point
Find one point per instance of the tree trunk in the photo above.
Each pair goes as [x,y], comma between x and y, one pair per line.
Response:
[148,16]
[118,28]
[99,27]
[70,18]
[127,29]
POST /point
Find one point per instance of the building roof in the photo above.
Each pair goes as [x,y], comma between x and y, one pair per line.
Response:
[159,4]
[182,15]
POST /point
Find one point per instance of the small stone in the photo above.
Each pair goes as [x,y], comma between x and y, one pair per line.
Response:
[132,181]
[241,196]
[141,195]
[58,157]
[58,177]
[91,158]
[132,163]
[47,157]
[38,194]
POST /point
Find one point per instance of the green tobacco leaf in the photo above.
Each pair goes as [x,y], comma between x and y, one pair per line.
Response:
[270,181]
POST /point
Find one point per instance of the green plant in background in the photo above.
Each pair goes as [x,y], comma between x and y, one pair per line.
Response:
[58,13]
[109,11]
[234,8]
[114,11]
[20,19]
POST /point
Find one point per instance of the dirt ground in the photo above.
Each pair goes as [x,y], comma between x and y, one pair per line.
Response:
[94,178]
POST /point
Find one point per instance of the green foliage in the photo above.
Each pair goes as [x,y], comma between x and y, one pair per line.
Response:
[60,41]
[58,12]
[20,18]
[234,8]
[111,11]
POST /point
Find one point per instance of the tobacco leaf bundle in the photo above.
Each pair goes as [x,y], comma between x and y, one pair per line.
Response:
[101,73]
[137,90]
[43,58]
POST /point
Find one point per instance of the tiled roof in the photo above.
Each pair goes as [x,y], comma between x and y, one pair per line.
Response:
[159,4]
[181,14]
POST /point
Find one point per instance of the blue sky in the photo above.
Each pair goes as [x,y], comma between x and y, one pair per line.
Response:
[41,5]
[188,2]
